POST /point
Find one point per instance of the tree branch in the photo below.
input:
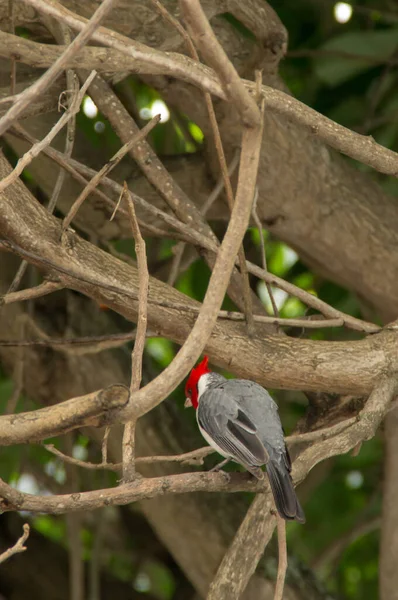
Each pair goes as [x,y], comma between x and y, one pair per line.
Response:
[341,367]
[55,420]
[151,61]
[128,443]
[26,97]
[138,137]
[18,546]
[241,559]
[37,148]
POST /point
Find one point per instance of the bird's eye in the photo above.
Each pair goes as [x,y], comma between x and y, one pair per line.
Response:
[189,391]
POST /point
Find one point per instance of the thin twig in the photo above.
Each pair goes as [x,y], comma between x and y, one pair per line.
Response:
[195,457]
[73,529]
[18,547]
[72,90]
[81,345]
[37,148]
[104,446]
[321,434]
[263,253]
[139,345]
[106,169]
[282,557]
[47,287]
[48,78]
[67,164]
[13,61]
[96,555]
[17,377]
[179,248]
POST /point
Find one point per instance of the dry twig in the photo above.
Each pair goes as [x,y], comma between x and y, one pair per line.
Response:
[28,95]
[106,169]
[18,547]
[37,148]
[139,345]
[282,558]
[195,457]
[37,88]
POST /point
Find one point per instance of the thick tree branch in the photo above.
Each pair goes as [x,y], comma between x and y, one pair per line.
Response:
[346,367]
[198,239]
[149,60]
[241,559]
[63,417]
[140,489]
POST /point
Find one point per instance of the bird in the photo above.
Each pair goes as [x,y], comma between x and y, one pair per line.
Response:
[240,420]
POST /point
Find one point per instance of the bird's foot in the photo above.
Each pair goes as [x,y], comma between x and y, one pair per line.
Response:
[219,466]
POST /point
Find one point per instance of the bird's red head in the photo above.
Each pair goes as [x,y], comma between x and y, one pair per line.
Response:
[191,386]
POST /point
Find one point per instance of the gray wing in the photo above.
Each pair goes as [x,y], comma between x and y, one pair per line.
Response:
[261,409]
[231,428]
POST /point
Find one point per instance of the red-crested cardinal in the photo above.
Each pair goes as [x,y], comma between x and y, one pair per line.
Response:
[240,420]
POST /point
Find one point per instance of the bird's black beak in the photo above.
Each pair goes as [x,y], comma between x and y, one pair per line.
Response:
[187,403]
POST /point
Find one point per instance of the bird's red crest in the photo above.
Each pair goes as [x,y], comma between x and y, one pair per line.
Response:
[191,386]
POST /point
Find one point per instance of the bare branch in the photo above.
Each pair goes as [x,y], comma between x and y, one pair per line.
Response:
[138,349]
[364,429]
[37,148]
[18,547]
[241,559]
[55,420]
[47,287]
[282,558]
[247,297]
[209,46]
[26,97]
[106,169]
[189,458]
[139,489]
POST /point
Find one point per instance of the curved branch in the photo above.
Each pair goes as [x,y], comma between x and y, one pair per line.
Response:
[60,418]
[150,61]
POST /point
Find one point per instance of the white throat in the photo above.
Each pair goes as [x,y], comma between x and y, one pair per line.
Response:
[203,384]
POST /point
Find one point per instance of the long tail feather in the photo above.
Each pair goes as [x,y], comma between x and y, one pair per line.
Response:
[285,497]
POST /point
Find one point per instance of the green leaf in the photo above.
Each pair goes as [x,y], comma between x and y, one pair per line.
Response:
[334,70]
